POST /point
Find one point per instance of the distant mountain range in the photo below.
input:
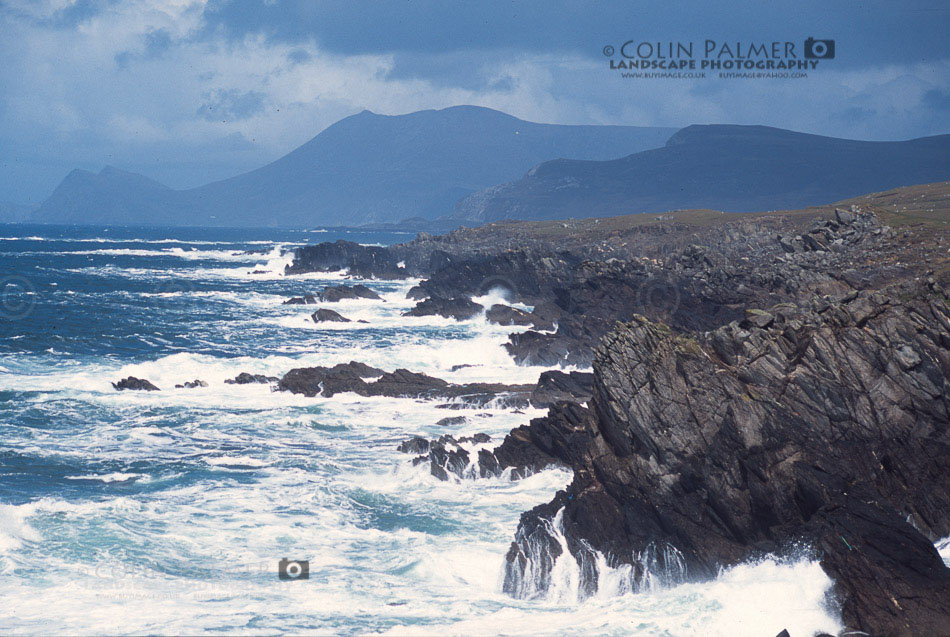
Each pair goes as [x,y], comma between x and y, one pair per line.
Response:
[439,169]
[367,168]
[729,168]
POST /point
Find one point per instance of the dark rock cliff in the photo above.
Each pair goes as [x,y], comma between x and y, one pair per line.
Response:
[828,426]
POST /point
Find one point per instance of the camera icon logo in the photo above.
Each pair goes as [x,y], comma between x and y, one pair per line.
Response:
[293,569]
[819,49]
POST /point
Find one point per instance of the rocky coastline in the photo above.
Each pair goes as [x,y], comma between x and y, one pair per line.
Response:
[761,384]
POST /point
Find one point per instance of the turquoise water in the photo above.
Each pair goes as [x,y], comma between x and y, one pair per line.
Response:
[168,512]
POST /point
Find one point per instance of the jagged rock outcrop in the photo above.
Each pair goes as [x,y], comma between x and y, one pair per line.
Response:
[544,443]
[829,425]
[334,293]
[448,454]
[402,383]
[306,299]
[326,381]
[244,378]
[359,260]
[133,383]
[458,308]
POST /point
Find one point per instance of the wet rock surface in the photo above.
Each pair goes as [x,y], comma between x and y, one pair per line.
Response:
[401,383]
[449,455]
[136,384]
[326,381]
[307,299]
[334,293]
[323,315]
[507,315]
[452,421]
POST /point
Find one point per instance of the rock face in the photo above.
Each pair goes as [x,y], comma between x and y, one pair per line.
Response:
[131,382]
[334,293]
[830,425]
[700,287]
[554,386]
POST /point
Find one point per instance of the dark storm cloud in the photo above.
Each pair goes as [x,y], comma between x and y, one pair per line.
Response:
[204,90]
[875,31]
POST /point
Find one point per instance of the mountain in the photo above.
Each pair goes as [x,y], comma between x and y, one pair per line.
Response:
[366,168]
[729,168]
[106,197]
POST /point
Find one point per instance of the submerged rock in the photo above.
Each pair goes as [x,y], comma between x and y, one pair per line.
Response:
[324,315]
[245,378]
[452,421]
[193,384]
[133,383]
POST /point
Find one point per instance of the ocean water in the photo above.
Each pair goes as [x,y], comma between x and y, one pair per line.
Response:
[168,512]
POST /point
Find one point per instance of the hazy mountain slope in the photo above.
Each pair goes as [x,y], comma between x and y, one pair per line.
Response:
[365,168]
[731,168]
[109,196]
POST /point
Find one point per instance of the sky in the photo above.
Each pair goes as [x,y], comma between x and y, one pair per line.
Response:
[191,91]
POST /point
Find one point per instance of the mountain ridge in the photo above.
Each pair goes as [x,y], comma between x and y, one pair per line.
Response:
[727,167]
[365,168]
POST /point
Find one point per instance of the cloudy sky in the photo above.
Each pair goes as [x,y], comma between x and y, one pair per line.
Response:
[188,91]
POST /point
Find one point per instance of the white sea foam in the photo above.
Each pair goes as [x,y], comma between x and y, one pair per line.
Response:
[191,254]
[109,477]
[207,488]
[14,530]
[943,547]
[100,240]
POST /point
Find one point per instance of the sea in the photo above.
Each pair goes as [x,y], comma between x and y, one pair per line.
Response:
[237,509]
